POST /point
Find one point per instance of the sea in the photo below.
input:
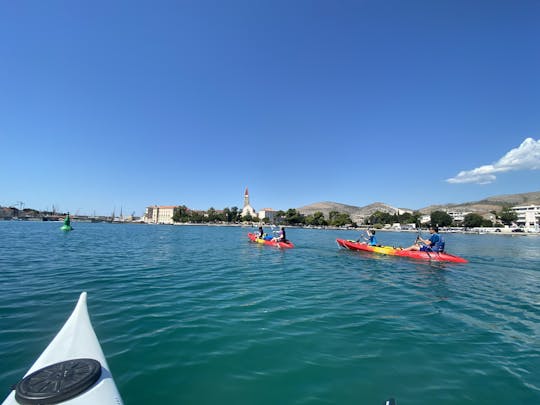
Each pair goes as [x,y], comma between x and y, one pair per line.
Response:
[201,315]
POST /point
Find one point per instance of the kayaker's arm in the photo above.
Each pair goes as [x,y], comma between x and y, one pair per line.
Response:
[426,242]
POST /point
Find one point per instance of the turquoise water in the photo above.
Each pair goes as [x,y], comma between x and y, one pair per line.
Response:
[199,315]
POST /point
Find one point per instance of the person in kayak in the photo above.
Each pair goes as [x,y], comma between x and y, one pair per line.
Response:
[261,234]
[281,237]
[435,243]
[371,240]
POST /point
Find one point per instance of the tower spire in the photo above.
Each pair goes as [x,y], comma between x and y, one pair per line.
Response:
[248,209]
[246,197]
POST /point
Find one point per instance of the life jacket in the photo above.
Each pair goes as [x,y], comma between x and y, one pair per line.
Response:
[439,245]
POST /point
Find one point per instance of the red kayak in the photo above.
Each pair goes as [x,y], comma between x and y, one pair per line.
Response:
[389,250]
[254,238]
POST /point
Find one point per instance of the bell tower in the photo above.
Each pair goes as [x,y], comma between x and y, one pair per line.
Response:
[246,198]
[248,209]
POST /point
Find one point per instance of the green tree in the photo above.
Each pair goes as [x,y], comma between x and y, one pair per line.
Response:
[211,214]
[407,218]
[279,218]
[441,218]
[181,214]
[379,217]
[235,214]
[472,220]
[197,217]
[507,216]
[316,219]
[488,223]
[416,218]
[339,219]
[332,215]
[293,217]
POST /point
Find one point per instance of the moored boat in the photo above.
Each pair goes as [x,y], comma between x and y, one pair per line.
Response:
[71,370]
[286,245]
[392,251]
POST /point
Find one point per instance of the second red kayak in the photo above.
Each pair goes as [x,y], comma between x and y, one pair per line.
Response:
[254,238]
[389,250]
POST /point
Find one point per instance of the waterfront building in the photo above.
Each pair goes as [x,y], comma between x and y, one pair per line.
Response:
[528,217]
[159,214]
[267,213]
[457,216]
[248,209]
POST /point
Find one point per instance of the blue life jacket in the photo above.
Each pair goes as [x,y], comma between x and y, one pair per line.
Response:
[438,246]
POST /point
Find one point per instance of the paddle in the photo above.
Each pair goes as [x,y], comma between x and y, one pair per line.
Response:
[371,238]
[419,237]
[368,233]
[417,234]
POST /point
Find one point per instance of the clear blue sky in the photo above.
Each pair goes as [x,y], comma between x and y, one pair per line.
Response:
[128,103]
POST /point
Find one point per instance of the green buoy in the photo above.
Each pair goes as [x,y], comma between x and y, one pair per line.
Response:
[67,224]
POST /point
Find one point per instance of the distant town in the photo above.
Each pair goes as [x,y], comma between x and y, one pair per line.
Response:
[508,218]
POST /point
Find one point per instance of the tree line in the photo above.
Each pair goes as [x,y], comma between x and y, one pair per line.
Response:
[234,215]
[441,218]
[378,219]
[504,217]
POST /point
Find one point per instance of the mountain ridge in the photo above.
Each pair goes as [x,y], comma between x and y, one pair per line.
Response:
[484,206]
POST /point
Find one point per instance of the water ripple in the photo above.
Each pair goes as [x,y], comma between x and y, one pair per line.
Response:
[185,309]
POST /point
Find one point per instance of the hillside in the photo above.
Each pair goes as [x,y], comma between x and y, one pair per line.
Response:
[488,204]
[484,206]
[357,214]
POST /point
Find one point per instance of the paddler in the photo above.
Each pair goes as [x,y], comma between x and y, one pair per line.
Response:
[370,239]
[435,243]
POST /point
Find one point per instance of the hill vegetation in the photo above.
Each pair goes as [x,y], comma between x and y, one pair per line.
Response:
[482,207]
[489,204]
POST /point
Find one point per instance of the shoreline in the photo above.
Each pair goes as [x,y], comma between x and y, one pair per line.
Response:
[480,231]
[474,231]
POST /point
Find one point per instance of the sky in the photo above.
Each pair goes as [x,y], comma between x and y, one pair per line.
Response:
[109,106]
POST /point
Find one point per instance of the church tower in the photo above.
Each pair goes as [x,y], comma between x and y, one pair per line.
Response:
[246,198]
[248,209]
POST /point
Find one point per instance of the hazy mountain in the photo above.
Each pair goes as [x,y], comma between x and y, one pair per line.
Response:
[486,205]
[356,213]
